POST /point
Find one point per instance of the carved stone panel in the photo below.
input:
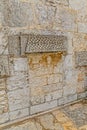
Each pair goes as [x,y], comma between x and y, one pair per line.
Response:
[4,67]
[46,43]
[81,58]
[14,45]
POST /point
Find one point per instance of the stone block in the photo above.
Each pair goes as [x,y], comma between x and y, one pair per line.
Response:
[55,78]
[4,118]
[54,95]
[3,102]
[82,27]
[43,107]
[77,5]
[68,99]
[81,95]
[20,64]
[65,19]
[81,58]
[17,81]
[18,99]
[46,43]
[52,87]
[2,84]
[69,90]
[14,46]
[37,81]
[4,66]
[20,13]
[37,99]
[24,41]
[19,114]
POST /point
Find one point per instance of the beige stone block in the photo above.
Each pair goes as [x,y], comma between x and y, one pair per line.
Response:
[39,99]
[82,27]
[19,114]
[54,78]
[54,95]
[38,81]
[4,118]
[47,121]
[18,99]
[69,90]
[4,67]
[52,87]
[65,19]
[77,4]
[17,81]
[20,64]
[82,15]
[14,45]
[80,42]
[2,84]
[3,102]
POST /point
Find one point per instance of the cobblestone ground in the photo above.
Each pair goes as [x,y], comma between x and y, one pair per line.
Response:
[73,117]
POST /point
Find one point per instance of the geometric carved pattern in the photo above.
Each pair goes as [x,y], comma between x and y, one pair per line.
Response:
[46,43]
[30,43]
[81,58]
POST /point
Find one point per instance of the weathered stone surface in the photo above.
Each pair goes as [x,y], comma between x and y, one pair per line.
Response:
[4,67]
[17,81]
[17,19]
[68,99]
[14,45]
[81,58]
[2,84]
[41,81]
[4,118]
[43,107]
[19,114]
[67,90]
[18,99]
[20,64]
[24,41]
[82,27]
[42,43]
[60,19]
[3,102]
[54,95]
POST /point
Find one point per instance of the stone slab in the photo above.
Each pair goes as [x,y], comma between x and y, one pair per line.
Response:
[14,45]
[81,58]
[46,43]
[4,66]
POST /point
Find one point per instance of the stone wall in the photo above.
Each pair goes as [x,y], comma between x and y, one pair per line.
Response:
[32,83]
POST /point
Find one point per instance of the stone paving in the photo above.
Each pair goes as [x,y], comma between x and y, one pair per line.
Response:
[72,117]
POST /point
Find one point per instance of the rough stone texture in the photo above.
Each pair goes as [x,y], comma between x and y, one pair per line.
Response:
[81,58]
[4,67]
[14,45]
[32,83]
[72,117]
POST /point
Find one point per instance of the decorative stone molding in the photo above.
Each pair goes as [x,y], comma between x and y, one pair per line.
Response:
[81,58]
[4,67]
[19,45]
